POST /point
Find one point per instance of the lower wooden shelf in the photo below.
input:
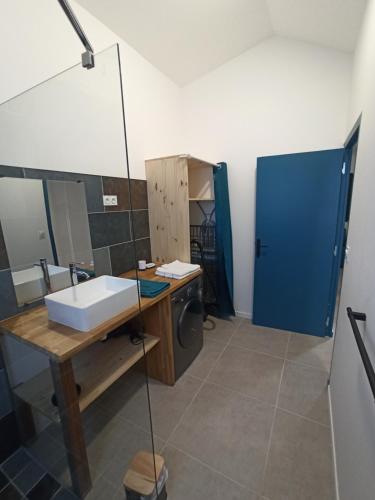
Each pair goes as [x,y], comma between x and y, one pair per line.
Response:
[95,369]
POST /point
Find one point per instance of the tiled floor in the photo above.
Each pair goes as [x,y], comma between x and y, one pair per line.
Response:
[247,421]
[23,477]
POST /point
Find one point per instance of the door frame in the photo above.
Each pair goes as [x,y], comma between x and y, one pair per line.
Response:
[350,142]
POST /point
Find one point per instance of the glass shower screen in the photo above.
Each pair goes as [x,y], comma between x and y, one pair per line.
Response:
[68,202]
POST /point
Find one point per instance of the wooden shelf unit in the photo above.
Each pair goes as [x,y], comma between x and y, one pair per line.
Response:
[172,183]
[96,368]
[200,180]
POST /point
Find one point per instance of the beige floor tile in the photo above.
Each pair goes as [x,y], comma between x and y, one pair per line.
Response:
[131,441]
[222,329]
[261,339]
[228,432]
[304,391]
[251,373]
[190,479]
[167,404]
[300,460]
[101,489]
[206,359]
[314,351]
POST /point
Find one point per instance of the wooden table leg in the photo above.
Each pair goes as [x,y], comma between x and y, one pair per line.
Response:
[25,420]
[71,423]
[160,360]
[24,415]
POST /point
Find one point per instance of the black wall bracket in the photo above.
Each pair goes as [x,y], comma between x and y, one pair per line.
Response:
[88,60]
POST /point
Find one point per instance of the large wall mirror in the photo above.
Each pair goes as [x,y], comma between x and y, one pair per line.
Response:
[46,229]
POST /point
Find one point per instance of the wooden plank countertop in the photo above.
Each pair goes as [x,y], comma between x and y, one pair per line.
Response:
[62,342]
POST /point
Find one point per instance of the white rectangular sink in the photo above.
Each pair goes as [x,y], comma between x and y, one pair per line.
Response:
[29,283]
[85,306]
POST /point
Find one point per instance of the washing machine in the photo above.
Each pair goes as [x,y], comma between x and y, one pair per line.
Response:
[187,318]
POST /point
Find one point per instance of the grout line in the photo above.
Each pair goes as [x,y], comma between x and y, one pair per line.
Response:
[258,352]
[302,416]
[212,469]
[239,393]
[273,422]
[121,243]
[120,211]
[198,391]
[300,363]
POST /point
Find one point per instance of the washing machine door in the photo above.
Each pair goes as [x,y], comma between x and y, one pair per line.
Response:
[190,323]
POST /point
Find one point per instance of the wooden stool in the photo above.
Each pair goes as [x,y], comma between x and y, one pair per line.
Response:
[139,480]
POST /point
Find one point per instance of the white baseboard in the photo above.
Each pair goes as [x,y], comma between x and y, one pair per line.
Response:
[333,445]
[242,314]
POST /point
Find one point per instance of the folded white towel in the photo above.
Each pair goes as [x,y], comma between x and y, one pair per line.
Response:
[176,269]
[165,274]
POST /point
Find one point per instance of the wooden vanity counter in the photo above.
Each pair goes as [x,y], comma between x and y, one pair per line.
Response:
[81,358]
[62,342]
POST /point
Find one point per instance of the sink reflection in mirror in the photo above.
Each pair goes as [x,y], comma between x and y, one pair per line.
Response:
[46,228]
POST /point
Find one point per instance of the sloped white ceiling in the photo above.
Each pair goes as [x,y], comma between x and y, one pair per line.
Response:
[333,23]
[187,38]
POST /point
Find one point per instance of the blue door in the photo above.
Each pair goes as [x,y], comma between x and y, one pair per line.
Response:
[298,207]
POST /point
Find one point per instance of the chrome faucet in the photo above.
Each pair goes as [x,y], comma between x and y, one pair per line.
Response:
[73,272]
[46,276]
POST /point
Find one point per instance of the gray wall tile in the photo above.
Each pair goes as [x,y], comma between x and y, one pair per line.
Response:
[143,250]
[4,262]
[109,228]
[7,171]
[139,194]
[120,188]
[8,301]
[141,225]
[102,262]
[93,184]
[122,258]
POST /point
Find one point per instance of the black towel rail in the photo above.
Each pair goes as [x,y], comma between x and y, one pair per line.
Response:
[353,318]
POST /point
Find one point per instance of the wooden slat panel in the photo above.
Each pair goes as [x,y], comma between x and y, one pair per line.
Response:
[160,361]
[168,201]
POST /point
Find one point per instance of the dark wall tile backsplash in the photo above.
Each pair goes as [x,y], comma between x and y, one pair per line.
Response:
[102,261]
[122,258]
[110,227]
[140,222]
[93,184]
[120,188]
[113,251]
[8,302]
[4,262]
[139,194]
[143,249]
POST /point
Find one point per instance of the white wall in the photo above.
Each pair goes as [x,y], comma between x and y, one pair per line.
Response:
[279,97]
[49,45]
[37,42]
[352,401]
